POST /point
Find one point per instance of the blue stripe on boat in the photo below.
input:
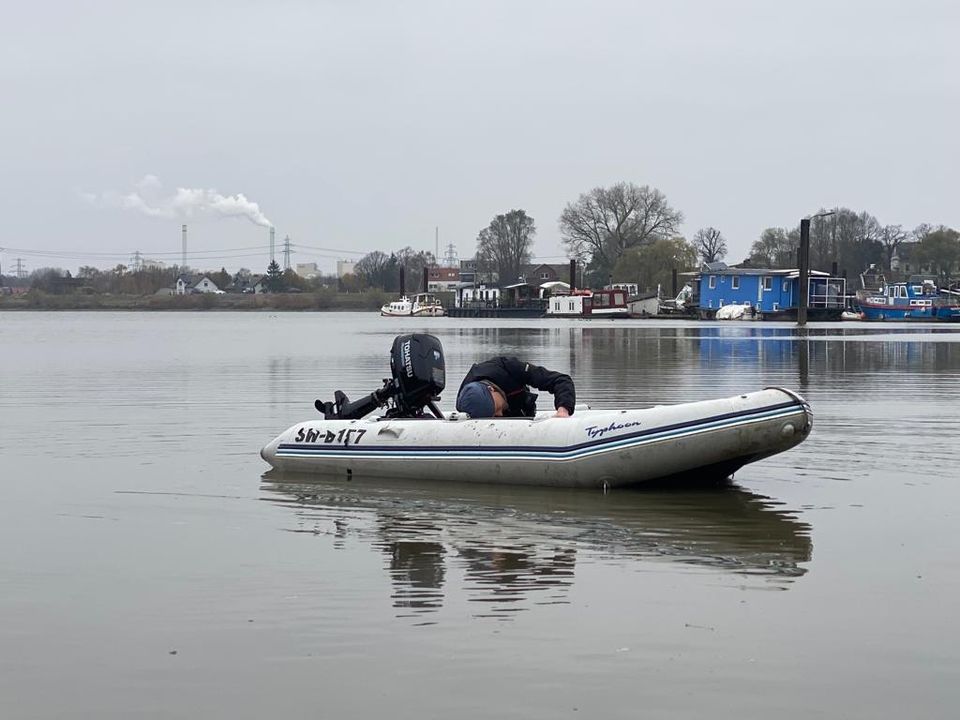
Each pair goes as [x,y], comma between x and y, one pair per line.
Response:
[569,452]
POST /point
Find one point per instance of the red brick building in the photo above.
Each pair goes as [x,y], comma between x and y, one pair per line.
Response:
[442,279]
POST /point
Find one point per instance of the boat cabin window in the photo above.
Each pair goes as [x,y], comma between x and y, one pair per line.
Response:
[735,282]
[768,283]
[618,299]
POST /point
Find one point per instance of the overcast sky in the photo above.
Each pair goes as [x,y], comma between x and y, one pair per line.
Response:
[364,125]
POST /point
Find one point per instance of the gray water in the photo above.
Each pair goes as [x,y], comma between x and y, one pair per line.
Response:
[148,568]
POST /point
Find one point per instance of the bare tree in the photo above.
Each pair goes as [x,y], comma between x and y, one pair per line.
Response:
[414,264]
[776,248]
[710,244]
[849,238]
[939,252]
[605,222]
[891,237]
[505,244]
[372,268]
[921,231]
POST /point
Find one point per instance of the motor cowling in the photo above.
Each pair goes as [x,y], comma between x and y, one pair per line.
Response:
[418,369]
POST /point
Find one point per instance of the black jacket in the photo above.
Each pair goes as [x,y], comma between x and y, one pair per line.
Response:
[513,376]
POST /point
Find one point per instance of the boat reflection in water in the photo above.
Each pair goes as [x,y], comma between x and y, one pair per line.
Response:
[510,547]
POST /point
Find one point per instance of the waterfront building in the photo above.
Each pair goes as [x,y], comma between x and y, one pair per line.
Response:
[768,292]
[442,279]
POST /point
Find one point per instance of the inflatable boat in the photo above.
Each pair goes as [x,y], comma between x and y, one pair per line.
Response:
[593,448]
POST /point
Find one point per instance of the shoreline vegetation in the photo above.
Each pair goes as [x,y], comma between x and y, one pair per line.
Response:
[322,300]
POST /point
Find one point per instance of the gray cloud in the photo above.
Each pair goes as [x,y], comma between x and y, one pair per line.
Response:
[365,125]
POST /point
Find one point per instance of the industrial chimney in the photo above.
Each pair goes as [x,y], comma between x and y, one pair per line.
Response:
[183,242]
[272,240]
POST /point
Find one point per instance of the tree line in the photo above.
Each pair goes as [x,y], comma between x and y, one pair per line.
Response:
[381,271]
[850,241]
[630,233]
[621,233]
[123,280]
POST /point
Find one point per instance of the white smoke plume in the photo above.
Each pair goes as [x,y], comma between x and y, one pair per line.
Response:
[149,198]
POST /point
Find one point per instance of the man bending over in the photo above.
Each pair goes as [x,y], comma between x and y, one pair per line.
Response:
[499,388]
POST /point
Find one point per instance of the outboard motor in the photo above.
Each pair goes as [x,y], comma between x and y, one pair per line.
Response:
[419,372]
[419,376]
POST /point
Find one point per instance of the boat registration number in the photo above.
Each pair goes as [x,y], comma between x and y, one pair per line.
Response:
[345,436]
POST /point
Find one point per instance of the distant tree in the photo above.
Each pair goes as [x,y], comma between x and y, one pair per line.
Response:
[351,283]
[413,262]
[323,281]
[848,238]
[939,251]
[292,281]
[921,231]
[373,268]
[710,244]
[891,237]
[505,244]
[652,265]
[221,279]
[606,222]
[776,248]
[273,282]
[45,279]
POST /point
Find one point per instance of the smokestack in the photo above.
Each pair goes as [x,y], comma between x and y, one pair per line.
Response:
[403,287]
[183,242]
[272,240]
[673,281]
[573,274]
[426,277]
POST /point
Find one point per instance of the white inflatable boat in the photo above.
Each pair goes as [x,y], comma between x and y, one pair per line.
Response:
[594,448]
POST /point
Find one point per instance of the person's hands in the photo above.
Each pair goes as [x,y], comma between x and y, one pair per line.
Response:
[562,412]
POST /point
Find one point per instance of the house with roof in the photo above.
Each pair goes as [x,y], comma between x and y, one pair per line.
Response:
[545,272]
[193,284]
[769,292]
[442,279]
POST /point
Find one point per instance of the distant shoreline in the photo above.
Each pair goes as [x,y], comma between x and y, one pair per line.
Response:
[282,302]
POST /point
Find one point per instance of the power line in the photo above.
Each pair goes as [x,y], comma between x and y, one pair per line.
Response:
[94,254]
[249,251]
[333,250]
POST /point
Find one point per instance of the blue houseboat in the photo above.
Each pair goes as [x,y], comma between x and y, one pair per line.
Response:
[767,293]
[916,299]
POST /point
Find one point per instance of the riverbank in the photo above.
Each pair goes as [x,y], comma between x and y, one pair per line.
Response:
[322,300]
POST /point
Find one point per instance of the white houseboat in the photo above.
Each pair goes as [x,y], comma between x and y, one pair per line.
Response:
[421,305]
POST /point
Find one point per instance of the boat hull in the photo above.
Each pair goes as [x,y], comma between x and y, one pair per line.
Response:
[417,312]
[594,448]
[894,313]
